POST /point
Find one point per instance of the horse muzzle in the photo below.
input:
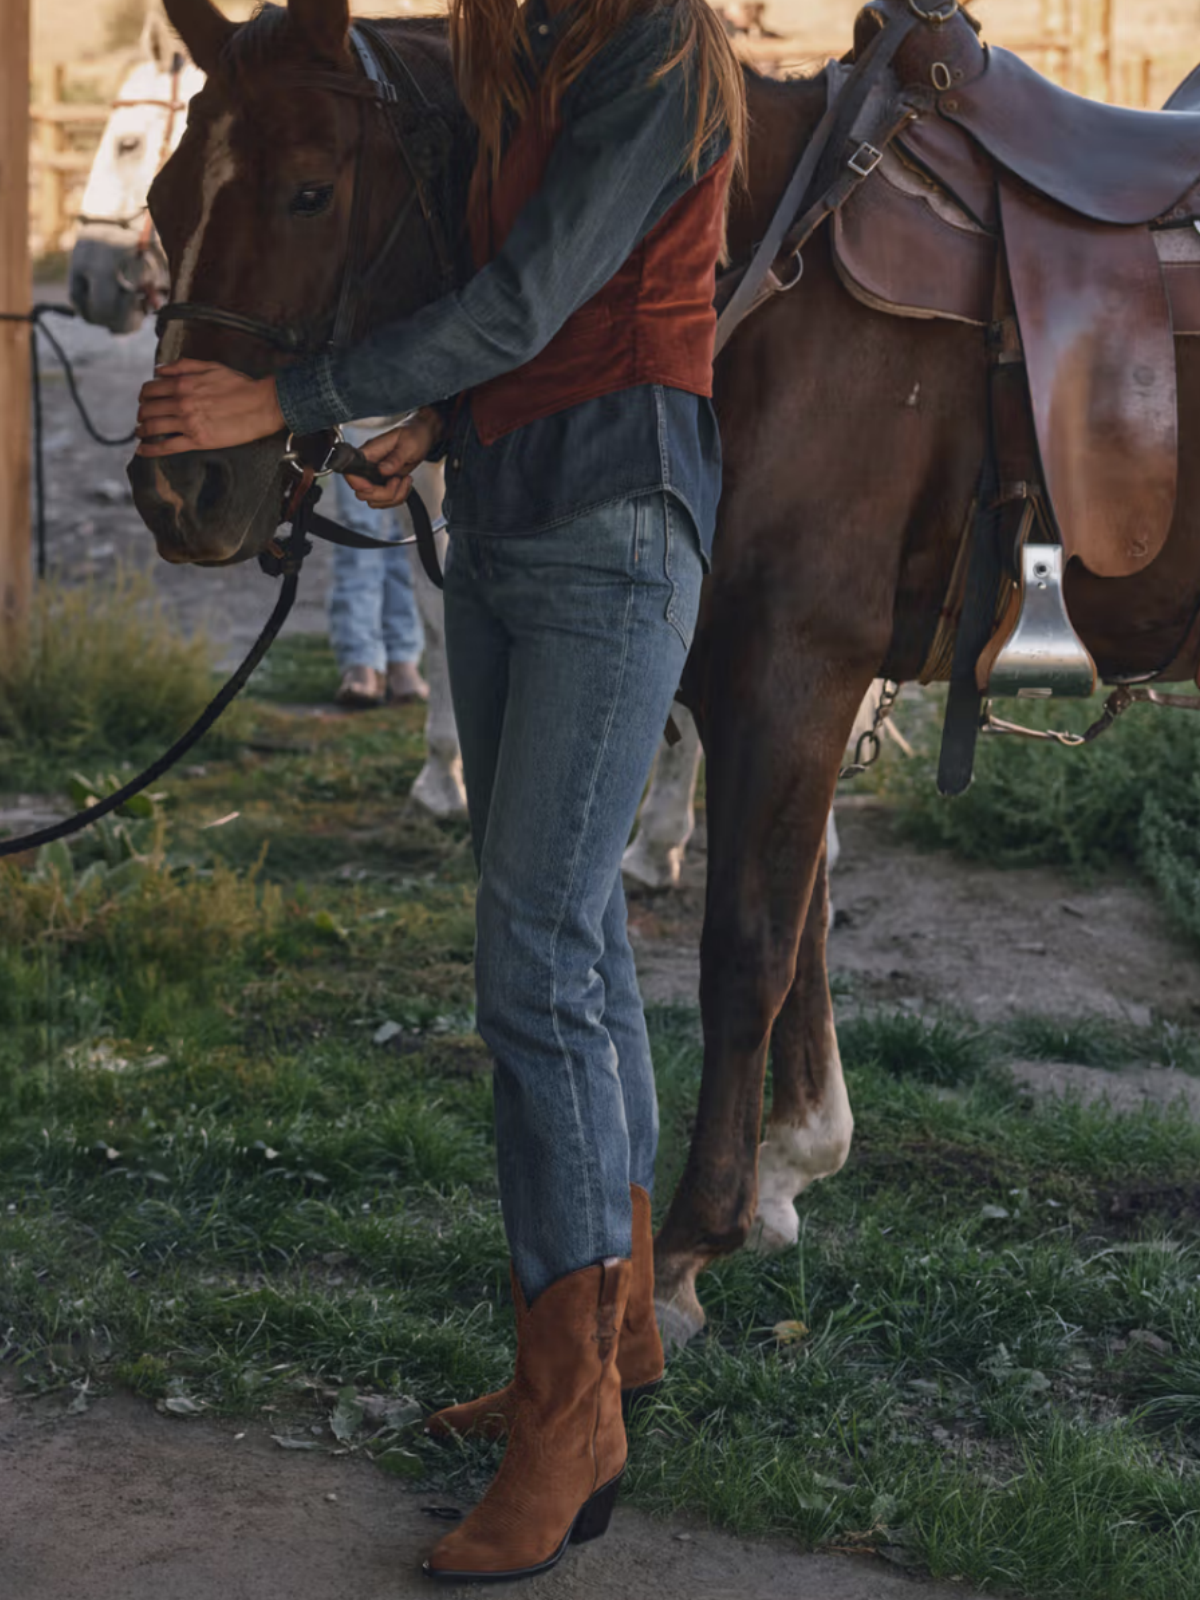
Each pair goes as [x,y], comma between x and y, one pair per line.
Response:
[211,507]
[106,281]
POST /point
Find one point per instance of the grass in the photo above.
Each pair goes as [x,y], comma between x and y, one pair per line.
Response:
[101,675]
[225,1184]
[1133,797]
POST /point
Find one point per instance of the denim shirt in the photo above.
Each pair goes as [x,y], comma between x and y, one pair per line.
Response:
[618,166]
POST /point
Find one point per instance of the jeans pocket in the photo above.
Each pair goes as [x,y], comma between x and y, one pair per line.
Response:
[682,568]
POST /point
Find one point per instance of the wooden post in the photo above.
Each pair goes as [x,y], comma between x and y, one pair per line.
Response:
[15,295]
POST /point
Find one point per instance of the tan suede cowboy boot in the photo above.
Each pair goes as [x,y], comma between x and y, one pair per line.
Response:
[566,1448]
[639,1354]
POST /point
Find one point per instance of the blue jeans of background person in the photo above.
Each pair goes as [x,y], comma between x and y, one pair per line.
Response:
[373,616]
[565,650]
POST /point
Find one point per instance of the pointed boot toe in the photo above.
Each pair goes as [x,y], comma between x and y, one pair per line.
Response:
[566,1451]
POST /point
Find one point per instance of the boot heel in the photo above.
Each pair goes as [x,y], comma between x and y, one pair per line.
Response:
[597,1512]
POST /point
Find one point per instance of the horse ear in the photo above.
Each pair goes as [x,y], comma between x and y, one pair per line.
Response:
[159,40]
[203,28]
[325,22]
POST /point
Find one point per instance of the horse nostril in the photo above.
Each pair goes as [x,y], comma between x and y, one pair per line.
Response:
[213,489]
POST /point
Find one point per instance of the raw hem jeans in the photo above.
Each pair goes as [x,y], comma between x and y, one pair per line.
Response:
[566,649]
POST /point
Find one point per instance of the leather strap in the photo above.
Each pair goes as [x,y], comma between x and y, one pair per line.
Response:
[291,340]
[843,111]
[424,531]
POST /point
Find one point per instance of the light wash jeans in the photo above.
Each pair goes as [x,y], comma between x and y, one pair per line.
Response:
[566,649]
[373,616]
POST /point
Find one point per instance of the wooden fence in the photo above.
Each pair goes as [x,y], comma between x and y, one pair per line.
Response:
[64,136]
[1074,42]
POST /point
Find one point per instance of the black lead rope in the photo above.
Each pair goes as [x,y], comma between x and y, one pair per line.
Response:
[36,320]
[285,560]
[286,563]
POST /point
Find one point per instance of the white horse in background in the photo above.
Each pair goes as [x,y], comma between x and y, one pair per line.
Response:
[668,816]
[118,271]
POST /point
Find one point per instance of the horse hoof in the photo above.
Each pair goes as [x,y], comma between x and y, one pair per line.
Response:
[439,792]
[776,1228]
[678,1324]
[650,869]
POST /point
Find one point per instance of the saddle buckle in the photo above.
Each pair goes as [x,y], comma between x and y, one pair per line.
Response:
[1043,658]
[864,160]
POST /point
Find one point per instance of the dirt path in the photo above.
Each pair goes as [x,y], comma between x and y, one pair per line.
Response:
[124,1504]
[923,931]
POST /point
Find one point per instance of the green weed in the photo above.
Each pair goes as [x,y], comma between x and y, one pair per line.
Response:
[1034,804]
[101,673]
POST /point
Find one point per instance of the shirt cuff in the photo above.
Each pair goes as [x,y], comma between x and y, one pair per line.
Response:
[308,397]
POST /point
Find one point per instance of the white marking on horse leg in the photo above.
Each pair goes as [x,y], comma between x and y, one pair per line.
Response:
[219,170]
[439,787]
[655,858]
[792,1157]
[833,845]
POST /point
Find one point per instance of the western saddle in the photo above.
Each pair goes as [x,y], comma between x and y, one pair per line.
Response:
[979,192]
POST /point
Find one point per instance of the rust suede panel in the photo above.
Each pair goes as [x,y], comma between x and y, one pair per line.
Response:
[653,322]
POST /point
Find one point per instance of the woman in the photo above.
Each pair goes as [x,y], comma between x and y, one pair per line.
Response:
[583,477]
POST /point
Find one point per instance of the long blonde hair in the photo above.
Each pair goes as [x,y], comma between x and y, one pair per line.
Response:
[491,52]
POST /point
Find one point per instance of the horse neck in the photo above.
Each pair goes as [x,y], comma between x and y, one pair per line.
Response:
[783,116]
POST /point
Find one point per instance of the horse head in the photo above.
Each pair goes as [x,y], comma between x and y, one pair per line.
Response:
[254,212]
[116,265]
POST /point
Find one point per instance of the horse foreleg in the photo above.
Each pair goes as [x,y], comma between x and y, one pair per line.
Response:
[668,815]
[438,787]
[774,755]
[811,1124]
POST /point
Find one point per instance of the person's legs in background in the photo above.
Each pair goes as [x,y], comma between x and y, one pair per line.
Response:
[403,634]
[374,625]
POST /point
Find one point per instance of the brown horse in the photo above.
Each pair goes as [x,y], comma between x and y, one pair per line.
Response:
[853,442]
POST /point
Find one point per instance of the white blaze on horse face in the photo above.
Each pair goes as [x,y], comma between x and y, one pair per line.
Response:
[220,169]
[134,143]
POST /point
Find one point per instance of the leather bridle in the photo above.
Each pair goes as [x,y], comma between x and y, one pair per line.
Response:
[316,457]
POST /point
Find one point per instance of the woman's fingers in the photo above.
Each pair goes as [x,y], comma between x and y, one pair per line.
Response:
[380,497]
[206,407]
[381,445]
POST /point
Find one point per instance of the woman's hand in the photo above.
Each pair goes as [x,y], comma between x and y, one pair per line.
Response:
[396,453]
[203,406]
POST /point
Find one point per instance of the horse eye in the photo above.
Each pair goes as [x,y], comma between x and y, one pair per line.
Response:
[311,200]
[129,144]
